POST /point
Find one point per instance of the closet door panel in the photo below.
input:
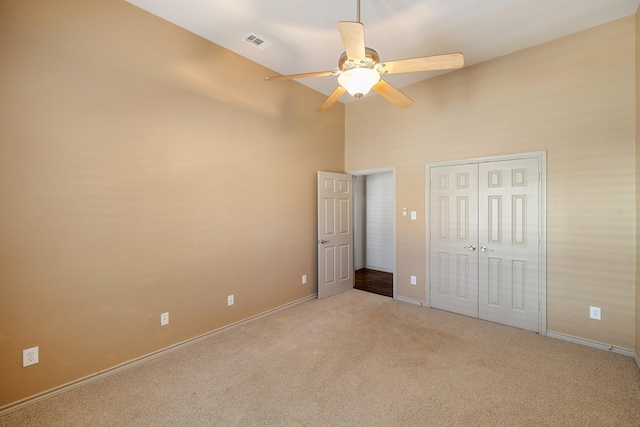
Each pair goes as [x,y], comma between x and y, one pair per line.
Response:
[509,242]
[454,237]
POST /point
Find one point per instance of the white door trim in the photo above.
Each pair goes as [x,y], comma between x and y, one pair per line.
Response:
[541,156]
[391,170]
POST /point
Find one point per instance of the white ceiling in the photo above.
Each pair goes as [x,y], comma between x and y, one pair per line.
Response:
[305,38]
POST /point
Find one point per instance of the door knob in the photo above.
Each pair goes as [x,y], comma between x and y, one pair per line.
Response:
[471,248]
[485,249]
[323,241]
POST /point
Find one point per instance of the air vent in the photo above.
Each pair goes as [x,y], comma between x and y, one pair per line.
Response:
[256,41]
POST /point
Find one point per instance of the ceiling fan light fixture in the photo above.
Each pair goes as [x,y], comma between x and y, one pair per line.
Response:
[358,81]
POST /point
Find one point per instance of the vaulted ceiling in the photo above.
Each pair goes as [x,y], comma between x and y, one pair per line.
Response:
[303,36]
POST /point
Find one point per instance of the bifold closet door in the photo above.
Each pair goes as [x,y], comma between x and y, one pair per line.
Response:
[509,242]
[454,239]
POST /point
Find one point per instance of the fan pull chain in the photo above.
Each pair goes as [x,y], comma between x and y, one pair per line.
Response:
[359,11]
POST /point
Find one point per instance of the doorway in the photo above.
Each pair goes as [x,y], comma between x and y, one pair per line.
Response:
[374,231]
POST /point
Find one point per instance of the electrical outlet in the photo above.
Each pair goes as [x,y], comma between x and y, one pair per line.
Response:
[230,300]
[304,279]
[164,319]
[413,280]
[594,313]
[29,356]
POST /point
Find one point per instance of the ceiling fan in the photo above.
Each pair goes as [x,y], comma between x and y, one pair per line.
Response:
[359,68]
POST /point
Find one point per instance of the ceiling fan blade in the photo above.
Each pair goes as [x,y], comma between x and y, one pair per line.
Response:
[332,99]
[300,76]
[425,63]
[352,34]
[392,94]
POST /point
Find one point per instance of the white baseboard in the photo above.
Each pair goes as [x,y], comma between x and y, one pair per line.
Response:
[594,344]
[409,300]
[130,364]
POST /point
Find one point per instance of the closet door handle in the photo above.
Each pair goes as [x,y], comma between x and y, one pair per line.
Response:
[485,249]
[471,248]
[323,241]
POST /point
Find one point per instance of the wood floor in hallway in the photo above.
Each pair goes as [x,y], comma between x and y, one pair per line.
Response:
[377,282]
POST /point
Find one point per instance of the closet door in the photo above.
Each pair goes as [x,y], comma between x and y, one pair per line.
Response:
[509,242]
[454,239]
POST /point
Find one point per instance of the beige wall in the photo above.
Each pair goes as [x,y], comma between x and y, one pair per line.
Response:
[143,170]
[573,98]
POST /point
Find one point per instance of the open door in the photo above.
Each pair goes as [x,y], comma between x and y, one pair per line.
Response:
[335,233]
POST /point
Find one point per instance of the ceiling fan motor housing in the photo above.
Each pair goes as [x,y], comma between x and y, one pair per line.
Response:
[371,59]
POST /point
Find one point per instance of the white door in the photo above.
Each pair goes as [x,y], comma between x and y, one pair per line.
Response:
[454,239]
[509,242]
[485,241]
[335,233]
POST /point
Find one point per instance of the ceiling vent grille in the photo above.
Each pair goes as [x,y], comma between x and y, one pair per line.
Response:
[256,41]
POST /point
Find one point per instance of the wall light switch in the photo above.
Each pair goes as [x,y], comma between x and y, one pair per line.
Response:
[414,215]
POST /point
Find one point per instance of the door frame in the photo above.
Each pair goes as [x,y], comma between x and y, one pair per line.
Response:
[391,170]
[541,156]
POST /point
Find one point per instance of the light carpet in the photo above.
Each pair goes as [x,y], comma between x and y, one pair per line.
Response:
[359,359]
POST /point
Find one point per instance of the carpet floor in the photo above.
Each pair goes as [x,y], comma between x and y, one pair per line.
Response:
[359,359]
